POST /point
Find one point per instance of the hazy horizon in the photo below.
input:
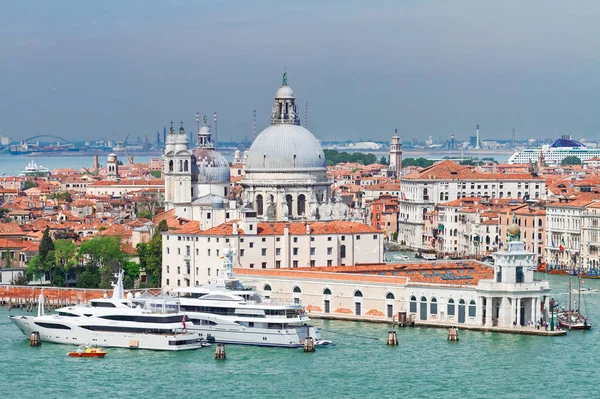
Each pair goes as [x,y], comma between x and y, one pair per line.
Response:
[88,70]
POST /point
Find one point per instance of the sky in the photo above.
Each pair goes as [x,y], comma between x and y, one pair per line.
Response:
[89,70]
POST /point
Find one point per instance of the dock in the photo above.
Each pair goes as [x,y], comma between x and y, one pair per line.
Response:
[445,325]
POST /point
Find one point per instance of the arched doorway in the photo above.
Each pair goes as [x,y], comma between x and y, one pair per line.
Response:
[326,301]
[259,205]
[423,309]
[358,303]
[301,204]
[390,304]
[461,311]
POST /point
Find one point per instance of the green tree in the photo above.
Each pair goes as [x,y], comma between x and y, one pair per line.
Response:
[156,173]
[102,257]
[46,245]
[132,273]
[162,226]
[418,162]
[7,258]
[65,259]
[384,161]
[28,184]
[144,214]
[21,279]
[571,160]
[150,255]
[64,196]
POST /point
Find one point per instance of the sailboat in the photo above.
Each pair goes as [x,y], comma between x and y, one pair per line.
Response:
[573,319]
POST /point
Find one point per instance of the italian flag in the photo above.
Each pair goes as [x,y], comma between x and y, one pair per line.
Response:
[562,245]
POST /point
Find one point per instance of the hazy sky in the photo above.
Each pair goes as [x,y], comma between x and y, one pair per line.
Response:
[93,69]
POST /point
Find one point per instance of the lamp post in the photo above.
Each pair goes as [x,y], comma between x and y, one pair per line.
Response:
[552,306]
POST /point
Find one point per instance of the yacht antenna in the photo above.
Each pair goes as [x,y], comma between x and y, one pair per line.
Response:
[118,286]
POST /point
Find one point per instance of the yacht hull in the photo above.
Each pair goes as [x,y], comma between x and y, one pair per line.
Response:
[77,335]
[239,335]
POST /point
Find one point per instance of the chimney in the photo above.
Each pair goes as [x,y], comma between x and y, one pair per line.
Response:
[96,165]
[234,227]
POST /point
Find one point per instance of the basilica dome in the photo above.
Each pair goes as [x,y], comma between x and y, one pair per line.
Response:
[211,166]
[285,147]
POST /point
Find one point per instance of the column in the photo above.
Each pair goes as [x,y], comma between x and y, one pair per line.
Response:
[518,315]
[489,312]
[532,317]
[513,302]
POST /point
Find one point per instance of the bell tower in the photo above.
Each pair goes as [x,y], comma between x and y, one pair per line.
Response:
[396,154]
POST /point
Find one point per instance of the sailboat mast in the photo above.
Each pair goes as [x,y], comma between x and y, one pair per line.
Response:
[579,296]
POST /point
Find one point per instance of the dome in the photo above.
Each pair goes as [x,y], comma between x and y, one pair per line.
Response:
[284,92]
[285,147]
[211,166]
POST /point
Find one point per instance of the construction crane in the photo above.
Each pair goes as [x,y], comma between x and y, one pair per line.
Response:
[129,157]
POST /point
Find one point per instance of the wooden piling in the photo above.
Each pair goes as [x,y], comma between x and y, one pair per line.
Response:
[34,339]
[392,338]
[453,334]
[309,344]
[220,352]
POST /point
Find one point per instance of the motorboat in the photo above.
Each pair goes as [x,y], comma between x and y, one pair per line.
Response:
[141,322]
[226,311]
[585,290]
[87,351]
[400,257]
[323,342]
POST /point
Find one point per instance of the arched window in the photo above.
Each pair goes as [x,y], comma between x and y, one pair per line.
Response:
[181,165]
[342,251]
[297,290]
[259,205]
[358,294]
[441,196]
[413,304]
[540,222]
[519,194]
[537,195]
[472,308]
[185,166]
[451,307]
[301,204]
[501,194]
[289,201]
[446,196]
[433,306]
[171,165]
[425,194]
[389,296]
[267,287]
[326,291]
[509,194]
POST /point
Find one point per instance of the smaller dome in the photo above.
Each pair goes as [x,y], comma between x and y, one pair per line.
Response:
[514,229]
[284,92]
[211,166]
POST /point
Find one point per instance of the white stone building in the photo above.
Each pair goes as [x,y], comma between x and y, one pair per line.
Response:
[192,256]
[447,181]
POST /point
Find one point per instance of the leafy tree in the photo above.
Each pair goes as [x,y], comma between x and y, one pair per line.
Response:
[21,279]
[90,278]
[156,174]
[571,160]
[418,162]
[144,214]
[7,258]
[64,196]
[46,245]
[102,257]
[132,273]
[28,184]
[162,226]
[334,157]
[150,255]
[3,212]
[384,161]
[65,259]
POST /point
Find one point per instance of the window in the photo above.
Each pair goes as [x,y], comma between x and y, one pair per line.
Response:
[358,237]
[208,215]
[263,265]
[389,296]
[187,250]
[277,264]
[168,251]
[295,263]
[297,290]
[264,239]
[278,239]
[179,283]
[312,238]
[329,262]
[375,235]
[295,239]
[472,308]
[519,274]
[343,238]
[326,291]
[312,263]
[267,287]
[328,238]
[451,308]
[329,250]
[217,252]
[167,281]
[342,251]
[178,270]
[167,269]
[295,251]
[312,250]
[251,244]
[277,251]
[263,251]
[251,265]
[413,304]
[242,252]
[178,251]
[197,251]
[208,271]
[433,306]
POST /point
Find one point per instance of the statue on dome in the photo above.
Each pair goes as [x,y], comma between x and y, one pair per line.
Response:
[513,232]
[285,78]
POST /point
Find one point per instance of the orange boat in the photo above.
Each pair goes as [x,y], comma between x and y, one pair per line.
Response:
[87,351]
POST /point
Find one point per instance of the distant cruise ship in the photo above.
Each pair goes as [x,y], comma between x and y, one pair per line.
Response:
[555,153]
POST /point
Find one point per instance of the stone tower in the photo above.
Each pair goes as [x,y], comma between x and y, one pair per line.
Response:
[396,154]
[112,167]
[177,169]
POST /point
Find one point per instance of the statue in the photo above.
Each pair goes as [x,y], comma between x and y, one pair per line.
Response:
[285,78]
[270,208]
[513,232]
[284,209]
[313,207]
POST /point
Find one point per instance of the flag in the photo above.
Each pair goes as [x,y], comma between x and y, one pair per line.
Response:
[562,245]
[561,248]
[553,246]
[183,322]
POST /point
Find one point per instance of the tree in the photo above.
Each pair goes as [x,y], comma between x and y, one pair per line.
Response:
[46,245]
[162,226]
[102,257]
[64,196]
[132,273]
[65,259]
[21,279]
[7,258]
[571,160]
[28,184]
[384,161]
[418,162]
[156,173]
[150,255]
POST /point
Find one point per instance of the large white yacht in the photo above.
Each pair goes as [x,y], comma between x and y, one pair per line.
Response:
[140,322]
[227,312]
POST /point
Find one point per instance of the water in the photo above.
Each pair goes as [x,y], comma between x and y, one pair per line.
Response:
[424,365]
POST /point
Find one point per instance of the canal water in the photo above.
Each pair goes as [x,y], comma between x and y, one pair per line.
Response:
[424,365]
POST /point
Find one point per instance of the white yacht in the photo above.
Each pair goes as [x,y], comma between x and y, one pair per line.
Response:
[140,322]
[227,312]
[33,169]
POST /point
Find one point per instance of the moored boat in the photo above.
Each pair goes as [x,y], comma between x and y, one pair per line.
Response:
[87,351]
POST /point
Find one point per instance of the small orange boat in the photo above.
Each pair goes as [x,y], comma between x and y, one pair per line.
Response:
[88,351]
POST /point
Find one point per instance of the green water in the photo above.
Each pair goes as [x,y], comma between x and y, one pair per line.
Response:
[424,365]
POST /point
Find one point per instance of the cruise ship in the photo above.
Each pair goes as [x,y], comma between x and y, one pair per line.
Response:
[555,152]
[228,312]
[140,322]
